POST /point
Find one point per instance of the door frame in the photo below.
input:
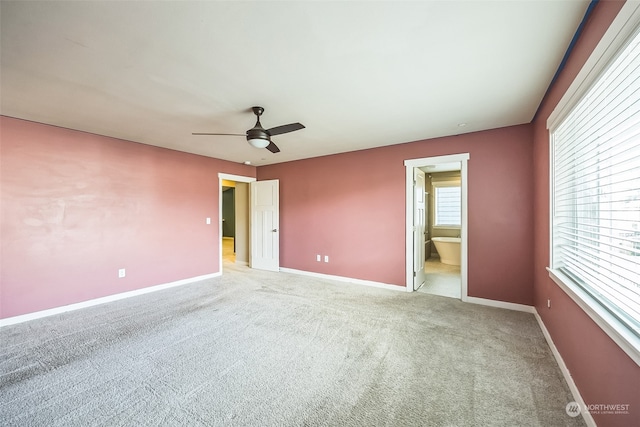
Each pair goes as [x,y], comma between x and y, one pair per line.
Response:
[410,165]
[228,177]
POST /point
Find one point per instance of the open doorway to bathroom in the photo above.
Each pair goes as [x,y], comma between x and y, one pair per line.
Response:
[234,219]
[444,263]
[443,224]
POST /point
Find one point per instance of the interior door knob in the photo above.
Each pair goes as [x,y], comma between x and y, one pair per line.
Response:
[274,230]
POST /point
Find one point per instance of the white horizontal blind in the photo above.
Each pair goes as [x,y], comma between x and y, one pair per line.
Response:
[596,190]
[447,206]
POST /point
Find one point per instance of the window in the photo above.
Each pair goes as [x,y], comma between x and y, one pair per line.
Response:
[447,204]
[595,192]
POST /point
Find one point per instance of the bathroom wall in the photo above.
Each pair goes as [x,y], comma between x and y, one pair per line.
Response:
[77,207]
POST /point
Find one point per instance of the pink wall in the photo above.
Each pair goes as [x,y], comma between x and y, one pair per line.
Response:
[601,370]
[352,207]
[77,207]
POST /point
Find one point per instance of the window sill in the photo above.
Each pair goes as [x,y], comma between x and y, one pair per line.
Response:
[618,332]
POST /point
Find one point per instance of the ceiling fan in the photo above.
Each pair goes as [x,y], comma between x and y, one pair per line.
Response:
[260,137]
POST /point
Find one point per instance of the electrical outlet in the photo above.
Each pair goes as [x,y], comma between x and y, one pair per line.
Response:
[326,258]
[549,303]
[121,273]
[318,258]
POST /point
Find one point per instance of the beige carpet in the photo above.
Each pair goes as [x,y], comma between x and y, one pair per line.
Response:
[257,348]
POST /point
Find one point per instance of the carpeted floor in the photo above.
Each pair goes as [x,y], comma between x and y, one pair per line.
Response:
[256,348]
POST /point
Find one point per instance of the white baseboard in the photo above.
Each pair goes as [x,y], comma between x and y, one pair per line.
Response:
[345,279]
[500,304]
[57,310]
[588,419]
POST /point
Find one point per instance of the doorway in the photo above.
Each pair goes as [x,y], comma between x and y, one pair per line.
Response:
[234,244]
[443,230]
[229,221]
[453,168]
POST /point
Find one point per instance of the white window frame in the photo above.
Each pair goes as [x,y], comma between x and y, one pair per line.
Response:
[614,40]
[435,185]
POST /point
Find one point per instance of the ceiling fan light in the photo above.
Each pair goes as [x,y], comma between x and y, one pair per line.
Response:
[258,142]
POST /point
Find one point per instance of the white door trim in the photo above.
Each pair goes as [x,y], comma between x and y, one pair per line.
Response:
[228,177]
[410,164]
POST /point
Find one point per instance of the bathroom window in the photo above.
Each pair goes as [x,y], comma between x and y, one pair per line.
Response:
[595,197]
[447,204]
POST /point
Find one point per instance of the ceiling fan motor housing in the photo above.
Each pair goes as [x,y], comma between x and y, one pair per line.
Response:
[257,133]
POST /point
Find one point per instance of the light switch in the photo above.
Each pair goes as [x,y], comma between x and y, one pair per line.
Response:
[208,220]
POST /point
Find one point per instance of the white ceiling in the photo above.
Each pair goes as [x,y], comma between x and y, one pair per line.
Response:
[357,74]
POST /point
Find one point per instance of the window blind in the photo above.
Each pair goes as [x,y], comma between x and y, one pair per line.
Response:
[596,190]
[447,206]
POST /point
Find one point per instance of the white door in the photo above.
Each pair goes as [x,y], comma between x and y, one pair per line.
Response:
[419,219]
[265,241]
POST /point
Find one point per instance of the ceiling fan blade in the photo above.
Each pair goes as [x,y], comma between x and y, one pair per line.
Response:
[285,128]
[273,148]
[227,134]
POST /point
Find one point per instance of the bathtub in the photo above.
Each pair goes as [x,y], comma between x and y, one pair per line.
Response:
[448,248]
